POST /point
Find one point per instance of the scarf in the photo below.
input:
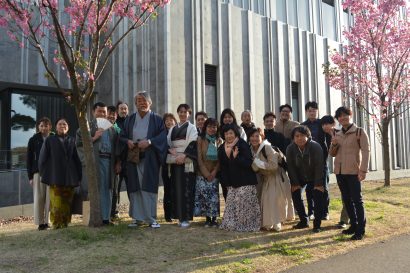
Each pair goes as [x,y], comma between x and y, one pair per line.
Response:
[212,152]
[228,147]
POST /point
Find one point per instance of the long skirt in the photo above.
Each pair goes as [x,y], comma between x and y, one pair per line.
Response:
[183,193]
[60,205]
[206,197]
[242,212]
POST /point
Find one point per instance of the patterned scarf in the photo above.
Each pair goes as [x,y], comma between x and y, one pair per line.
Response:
[212,152]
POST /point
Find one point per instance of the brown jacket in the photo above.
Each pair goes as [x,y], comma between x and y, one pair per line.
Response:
[285,128]
[351,152]
[205,166]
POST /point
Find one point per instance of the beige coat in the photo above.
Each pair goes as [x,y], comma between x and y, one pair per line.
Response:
[350,156]
[205,166]
[285,127]
[273,188]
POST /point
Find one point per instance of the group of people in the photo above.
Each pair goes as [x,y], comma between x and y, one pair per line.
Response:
[262,172]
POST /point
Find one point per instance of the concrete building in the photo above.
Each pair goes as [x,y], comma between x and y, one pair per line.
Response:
[213,54]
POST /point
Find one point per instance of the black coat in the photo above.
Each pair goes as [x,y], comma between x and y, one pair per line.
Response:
[237,172]
[277,139]
[33,153]
[59,163]
[319,136]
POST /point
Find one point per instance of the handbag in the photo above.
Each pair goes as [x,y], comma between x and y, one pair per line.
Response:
[134,155]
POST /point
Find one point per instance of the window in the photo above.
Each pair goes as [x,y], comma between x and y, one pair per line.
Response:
[345,20]
[329,19]
[303,14]
[281,10]
[211,91]
[295,100]
[292,13]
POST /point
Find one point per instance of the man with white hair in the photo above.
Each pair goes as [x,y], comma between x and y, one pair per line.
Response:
[145,135]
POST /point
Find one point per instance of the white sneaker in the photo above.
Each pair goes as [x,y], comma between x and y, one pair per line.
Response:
[311,217]
[184,224]
[133,225]
[277,227]
[155,225]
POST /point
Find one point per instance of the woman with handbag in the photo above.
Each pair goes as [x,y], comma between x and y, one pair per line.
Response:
[275,196]
[207,184]
[181,140]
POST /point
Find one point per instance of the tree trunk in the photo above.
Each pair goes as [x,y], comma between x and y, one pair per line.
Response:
[91,171]
[386,151]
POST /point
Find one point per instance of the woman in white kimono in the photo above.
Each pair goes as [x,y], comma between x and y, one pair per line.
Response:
[273,184]
[180,137]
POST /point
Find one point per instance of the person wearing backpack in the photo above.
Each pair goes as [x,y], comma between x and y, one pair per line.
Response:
[351,149]
[274,194]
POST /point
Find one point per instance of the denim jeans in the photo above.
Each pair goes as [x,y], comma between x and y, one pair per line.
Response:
[351,190]
[297,197]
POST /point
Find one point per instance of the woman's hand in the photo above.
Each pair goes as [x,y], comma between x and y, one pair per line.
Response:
[319,188]
[180,159]
[294,188]
[235,151]
[172,151]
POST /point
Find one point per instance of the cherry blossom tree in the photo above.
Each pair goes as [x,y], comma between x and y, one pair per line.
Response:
[373,67]
[85,33]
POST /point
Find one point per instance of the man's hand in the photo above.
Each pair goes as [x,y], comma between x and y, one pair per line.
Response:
[117,167]
[143,144]
[361,176]
[98,134]
[31,182]
[130,144]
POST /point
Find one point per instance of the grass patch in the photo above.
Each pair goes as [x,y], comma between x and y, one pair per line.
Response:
[335,204]
[197,249]
[286,250]
[342,238]
[246,261]
[246,245]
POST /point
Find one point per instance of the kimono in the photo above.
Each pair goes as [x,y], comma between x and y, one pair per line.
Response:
[183,176]
[143,178]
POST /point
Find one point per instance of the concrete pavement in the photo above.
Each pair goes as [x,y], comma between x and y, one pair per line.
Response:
[390,256]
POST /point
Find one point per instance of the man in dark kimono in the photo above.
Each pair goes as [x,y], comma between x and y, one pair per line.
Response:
[145,130]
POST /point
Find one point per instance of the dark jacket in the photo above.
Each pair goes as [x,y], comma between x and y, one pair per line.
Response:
[33,153]
[237,172]
[319,136]
[248,128]
[276,139]
[59,163]
[305,166]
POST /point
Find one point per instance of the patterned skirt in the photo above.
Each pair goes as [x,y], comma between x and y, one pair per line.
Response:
[206,197]
[60,205]
[242,212]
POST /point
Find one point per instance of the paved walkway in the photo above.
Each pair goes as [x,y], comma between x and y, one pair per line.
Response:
[392,256]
